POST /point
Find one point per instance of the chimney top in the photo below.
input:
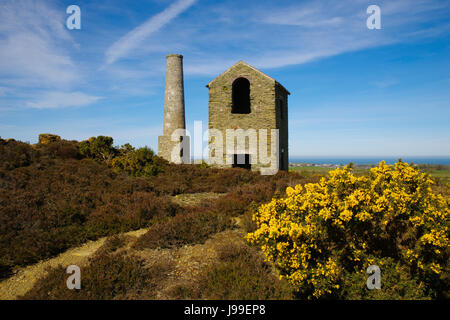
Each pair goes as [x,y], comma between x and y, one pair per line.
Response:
[174,55]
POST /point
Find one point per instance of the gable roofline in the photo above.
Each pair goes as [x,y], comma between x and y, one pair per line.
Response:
[251,67]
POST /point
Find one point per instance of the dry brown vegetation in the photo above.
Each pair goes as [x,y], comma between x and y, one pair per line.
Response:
[54,197]
[191,220]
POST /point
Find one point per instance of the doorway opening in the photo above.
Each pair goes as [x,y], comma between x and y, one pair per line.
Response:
[242,161]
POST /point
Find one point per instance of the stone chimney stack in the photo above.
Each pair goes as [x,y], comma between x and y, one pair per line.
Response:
[174,145]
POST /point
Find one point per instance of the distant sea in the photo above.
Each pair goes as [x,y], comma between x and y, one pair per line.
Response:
[369,160]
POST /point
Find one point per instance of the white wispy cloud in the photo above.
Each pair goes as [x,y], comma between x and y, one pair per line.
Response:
[53,100]
[3,91]
[31,33]
[385,83]
[272,35]
[134,38]
[311,16]
[37,65]
[277,36]
[27,59]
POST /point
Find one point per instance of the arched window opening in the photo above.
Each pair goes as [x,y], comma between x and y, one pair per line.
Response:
[241,96]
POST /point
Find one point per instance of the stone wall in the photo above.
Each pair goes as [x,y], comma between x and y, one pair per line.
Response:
[282,123]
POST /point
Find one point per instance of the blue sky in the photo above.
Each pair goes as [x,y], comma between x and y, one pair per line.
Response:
[354,91]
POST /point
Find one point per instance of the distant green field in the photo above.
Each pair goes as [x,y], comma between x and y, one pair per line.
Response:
[442,175]
[439,173]
[311,169]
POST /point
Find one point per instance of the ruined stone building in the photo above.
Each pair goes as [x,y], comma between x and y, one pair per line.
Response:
[244,99]
[248,119]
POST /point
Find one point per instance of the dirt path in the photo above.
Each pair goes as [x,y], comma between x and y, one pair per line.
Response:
[24,279]
[185,263]
[192,199]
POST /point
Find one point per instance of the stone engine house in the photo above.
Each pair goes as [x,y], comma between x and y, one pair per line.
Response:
[246,100]
[248,119]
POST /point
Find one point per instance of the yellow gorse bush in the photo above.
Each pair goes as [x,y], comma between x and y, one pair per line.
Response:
[323,231]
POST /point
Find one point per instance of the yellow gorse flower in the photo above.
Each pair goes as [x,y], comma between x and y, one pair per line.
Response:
[303,233]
